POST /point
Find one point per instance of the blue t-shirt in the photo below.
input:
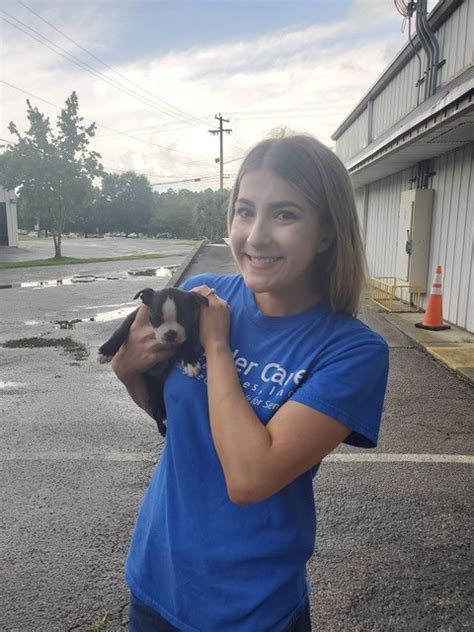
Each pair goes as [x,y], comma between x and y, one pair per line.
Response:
[204,563]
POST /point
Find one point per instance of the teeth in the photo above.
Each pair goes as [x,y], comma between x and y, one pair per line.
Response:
[264,259]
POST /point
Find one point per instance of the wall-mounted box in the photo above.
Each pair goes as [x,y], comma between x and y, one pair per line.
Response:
[414,235]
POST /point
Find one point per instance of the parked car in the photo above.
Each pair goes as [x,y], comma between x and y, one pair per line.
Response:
[132,235]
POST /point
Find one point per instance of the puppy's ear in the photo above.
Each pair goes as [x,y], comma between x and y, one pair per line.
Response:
[146,295]
[198,299]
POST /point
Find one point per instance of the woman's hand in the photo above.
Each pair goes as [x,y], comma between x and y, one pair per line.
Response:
[141,350]
[214,321]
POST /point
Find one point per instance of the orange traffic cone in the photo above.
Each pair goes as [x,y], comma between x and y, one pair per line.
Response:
[433,318]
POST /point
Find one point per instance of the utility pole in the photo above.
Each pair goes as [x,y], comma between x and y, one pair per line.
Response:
[220,131]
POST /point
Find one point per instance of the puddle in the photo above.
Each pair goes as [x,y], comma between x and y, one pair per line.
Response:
[161,272]
[11,385]
[67,324]
[59,282]
[103,317]
[76,349]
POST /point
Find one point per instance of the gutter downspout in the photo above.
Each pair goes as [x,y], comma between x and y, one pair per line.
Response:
[435,50]
[426,42]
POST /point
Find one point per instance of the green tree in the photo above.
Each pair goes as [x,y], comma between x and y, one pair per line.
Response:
[127,202]
[174,213]
[211,214]
[53,171]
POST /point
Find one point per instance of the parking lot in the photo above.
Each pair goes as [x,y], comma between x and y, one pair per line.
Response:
[394,534]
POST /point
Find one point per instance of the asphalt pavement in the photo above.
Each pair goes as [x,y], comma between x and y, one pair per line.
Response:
[394,523]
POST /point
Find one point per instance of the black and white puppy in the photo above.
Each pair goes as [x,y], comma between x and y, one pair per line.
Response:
[174,315]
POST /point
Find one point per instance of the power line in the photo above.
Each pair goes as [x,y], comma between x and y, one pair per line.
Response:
[84,66]
[107,126]
[153,129]
[156,175]
[171,107]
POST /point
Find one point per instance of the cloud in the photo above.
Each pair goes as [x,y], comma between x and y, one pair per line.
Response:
[322,69]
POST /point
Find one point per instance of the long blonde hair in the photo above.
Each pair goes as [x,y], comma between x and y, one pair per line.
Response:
[316,172]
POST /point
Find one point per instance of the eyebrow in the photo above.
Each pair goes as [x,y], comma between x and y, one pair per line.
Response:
[273,205]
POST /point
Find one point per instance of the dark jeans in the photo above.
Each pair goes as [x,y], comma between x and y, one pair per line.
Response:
[142,618]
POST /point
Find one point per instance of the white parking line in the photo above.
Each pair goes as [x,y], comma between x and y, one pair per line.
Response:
[345,457]
[389,457]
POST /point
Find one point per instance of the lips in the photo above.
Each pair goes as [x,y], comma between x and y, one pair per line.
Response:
[262,261]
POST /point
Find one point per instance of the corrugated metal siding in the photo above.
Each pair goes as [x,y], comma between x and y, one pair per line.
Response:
[359,195]
[456,41]
[399,97]
[452,234]
[354,138]
[382,222]
[456,44]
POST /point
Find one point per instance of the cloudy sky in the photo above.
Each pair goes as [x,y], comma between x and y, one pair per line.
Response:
[153,74]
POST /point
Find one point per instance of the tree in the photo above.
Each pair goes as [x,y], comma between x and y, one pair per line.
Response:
[211,216]
[174,213]
[127,202]
[53,171]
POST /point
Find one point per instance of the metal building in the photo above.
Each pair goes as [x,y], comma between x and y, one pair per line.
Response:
[8,219]
[408,146]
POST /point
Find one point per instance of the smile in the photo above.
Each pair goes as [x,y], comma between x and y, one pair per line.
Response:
[262,260]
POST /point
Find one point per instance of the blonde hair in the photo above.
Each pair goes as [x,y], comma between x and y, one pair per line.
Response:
[317,173]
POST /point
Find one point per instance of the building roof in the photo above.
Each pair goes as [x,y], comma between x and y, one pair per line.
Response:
[438,15]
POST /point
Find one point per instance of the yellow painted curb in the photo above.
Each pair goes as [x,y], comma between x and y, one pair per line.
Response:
[456,357]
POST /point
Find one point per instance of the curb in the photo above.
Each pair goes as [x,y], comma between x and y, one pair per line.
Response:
[180,273]
[438,352]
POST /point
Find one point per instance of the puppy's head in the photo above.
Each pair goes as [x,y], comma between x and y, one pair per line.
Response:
[173,313]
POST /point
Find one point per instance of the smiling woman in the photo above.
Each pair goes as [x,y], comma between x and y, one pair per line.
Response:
[288,373]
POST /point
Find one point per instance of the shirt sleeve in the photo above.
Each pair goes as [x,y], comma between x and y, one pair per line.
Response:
[350,387]
[194,281]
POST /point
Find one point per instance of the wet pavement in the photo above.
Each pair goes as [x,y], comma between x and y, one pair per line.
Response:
[76,455]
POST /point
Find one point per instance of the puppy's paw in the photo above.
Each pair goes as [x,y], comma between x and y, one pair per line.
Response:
[103,359]
[191,370]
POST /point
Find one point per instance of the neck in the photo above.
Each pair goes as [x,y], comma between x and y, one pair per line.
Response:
[272,304]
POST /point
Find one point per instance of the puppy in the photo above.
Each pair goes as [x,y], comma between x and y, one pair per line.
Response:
[174,315]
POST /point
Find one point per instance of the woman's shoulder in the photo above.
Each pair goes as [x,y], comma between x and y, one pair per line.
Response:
[220,282]
[350,330]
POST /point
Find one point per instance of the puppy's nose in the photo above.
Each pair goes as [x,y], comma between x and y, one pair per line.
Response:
[171,335]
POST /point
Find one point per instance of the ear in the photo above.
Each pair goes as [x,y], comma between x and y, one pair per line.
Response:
[146,295]
[198,299]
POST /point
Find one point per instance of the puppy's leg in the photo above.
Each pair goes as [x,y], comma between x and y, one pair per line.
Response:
[157,402]
[188,360]
[116,340]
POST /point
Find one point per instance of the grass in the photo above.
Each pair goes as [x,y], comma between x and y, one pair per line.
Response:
[61,261]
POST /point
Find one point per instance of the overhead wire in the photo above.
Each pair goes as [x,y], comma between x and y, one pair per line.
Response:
[85,66]
[172,110]
[186,153]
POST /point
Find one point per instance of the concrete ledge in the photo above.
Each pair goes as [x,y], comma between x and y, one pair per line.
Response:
[178,276]
[453,347]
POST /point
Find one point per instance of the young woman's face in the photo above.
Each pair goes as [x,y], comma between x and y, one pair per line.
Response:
[275,235]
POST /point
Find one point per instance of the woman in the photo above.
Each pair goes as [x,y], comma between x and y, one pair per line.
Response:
[228,521]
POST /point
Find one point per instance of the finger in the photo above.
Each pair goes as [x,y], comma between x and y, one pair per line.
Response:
[200,289]
[143,316]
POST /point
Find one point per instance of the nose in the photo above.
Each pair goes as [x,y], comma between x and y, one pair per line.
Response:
[171,335]
[260,233]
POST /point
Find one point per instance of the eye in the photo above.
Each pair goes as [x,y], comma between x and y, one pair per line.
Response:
[243,212]
[286,216]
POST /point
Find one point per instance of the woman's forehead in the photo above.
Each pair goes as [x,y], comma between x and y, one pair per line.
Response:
[263,186]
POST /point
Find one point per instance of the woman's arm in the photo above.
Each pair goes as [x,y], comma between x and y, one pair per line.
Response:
[257,460]
[138,354]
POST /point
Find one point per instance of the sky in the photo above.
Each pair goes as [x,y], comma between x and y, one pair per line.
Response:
[153,75]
